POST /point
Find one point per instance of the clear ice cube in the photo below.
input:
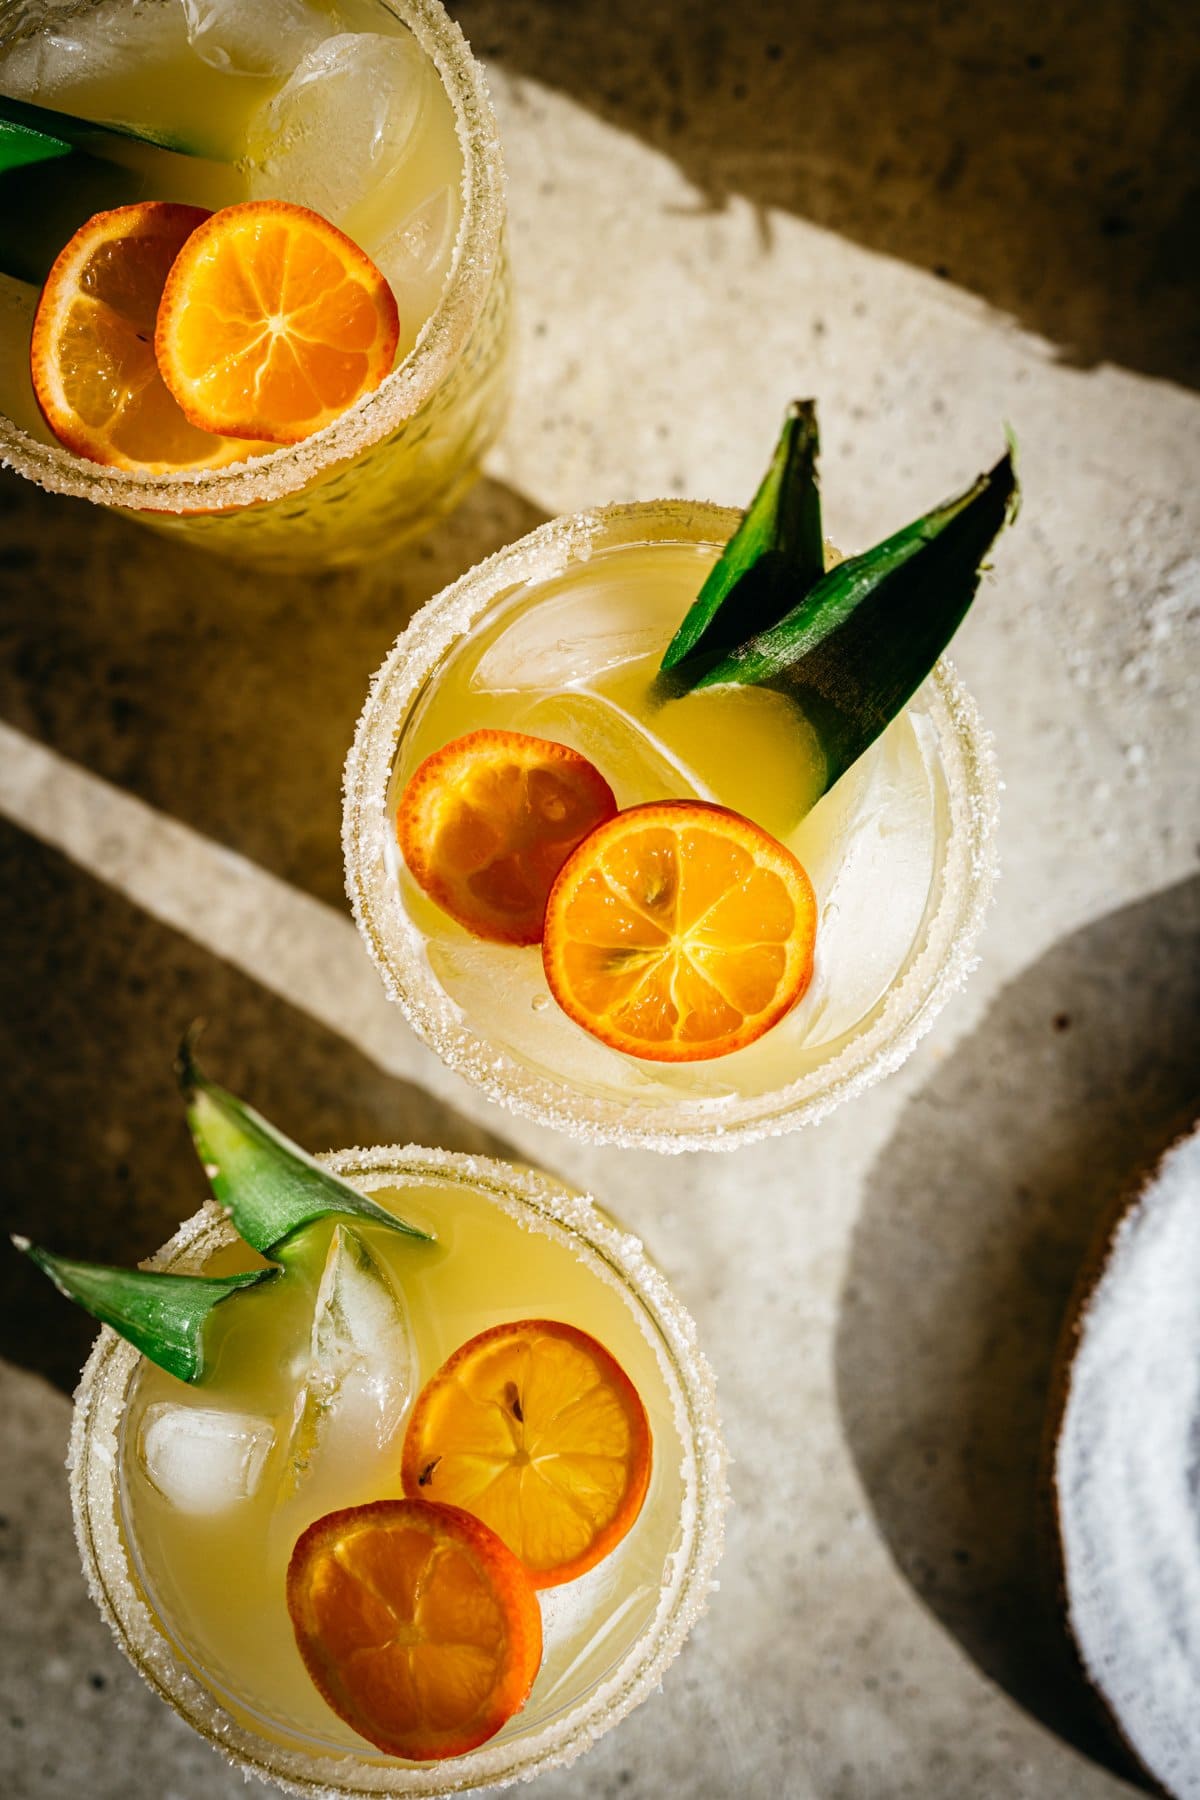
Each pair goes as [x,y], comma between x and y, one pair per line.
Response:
[86,50]
[132,64]
[559,644]
[636,761]
[360,1373]
[875,833]
[241,37]
[202,1460]
[342,126]
[415,257]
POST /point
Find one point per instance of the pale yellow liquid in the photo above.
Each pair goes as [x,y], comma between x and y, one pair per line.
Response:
[217,1582]
[131,62]
[575,658]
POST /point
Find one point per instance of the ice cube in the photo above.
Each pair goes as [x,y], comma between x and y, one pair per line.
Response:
[342,125]
[361,1366]
[241,37]
[200,1459]
[637,762]
[415,257]
[132,65]
[84,62]
[875,832]
[748,748]
[563,642]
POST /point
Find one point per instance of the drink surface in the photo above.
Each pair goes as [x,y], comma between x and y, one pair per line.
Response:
[332,104]
[575,657]
[242,1466]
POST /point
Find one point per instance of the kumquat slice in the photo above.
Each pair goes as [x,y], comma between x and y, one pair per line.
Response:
[272,322]
[678,931]
[92,359]
[537,1430]
[486,823]
[417,1625]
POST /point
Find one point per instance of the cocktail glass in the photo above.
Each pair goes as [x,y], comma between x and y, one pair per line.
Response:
[559,636]
[608,1638]
[404,454]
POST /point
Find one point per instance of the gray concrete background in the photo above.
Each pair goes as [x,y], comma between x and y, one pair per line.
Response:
[934,218]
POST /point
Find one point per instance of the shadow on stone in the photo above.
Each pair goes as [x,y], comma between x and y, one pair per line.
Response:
[223,696]
[98,1162]
[963,1261]
[1043,157]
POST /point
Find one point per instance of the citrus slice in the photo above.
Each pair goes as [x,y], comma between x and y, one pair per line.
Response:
[486,823]
[92,350]
[416,1624]
[539,1432]
[679,931]
[273,322]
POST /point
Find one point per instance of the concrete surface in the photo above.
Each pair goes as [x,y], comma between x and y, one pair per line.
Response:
[934,218]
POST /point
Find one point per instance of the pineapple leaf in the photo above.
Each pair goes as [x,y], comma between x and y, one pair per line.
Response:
[269,1186]
[162,1315]
[30,133]
[768,565]
[857,646]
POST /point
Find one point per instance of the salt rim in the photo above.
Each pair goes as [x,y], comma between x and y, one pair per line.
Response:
[1123,1479]
[938,971]
[618,1258]
[476,260]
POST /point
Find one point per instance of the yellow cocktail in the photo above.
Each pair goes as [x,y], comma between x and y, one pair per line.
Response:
[374,115]
[190,1498]
[561,637]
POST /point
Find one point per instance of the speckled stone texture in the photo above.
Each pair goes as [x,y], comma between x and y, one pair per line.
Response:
[935,219]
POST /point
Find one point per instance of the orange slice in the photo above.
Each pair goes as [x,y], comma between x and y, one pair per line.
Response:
[273,322]
[92,351]
[539,1432]
[487,822]
[679,931]
[417,1625]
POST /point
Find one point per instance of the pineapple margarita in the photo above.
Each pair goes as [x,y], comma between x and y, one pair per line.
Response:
[416,1484]
[680,885]
[312,372]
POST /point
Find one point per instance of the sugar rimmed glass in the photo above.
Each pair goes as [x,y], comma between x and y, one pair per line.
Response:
[402,456]
[501,1030]
[530,1743]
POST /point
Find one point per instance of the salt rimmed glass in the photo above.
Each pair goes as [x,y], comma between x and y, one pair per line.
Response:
[640,1104]
[536,1202]
[402,456]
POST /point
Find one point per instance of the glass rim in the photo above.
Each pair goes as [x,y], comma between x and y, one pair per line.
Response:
[476,260]
[944,958]
[94,1462]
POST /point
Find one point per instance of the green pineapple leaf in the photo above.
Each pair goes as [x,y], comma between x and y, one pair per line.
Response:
[768,565]
[855,649]
[269,1186]
[162,1315]
[31,133]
